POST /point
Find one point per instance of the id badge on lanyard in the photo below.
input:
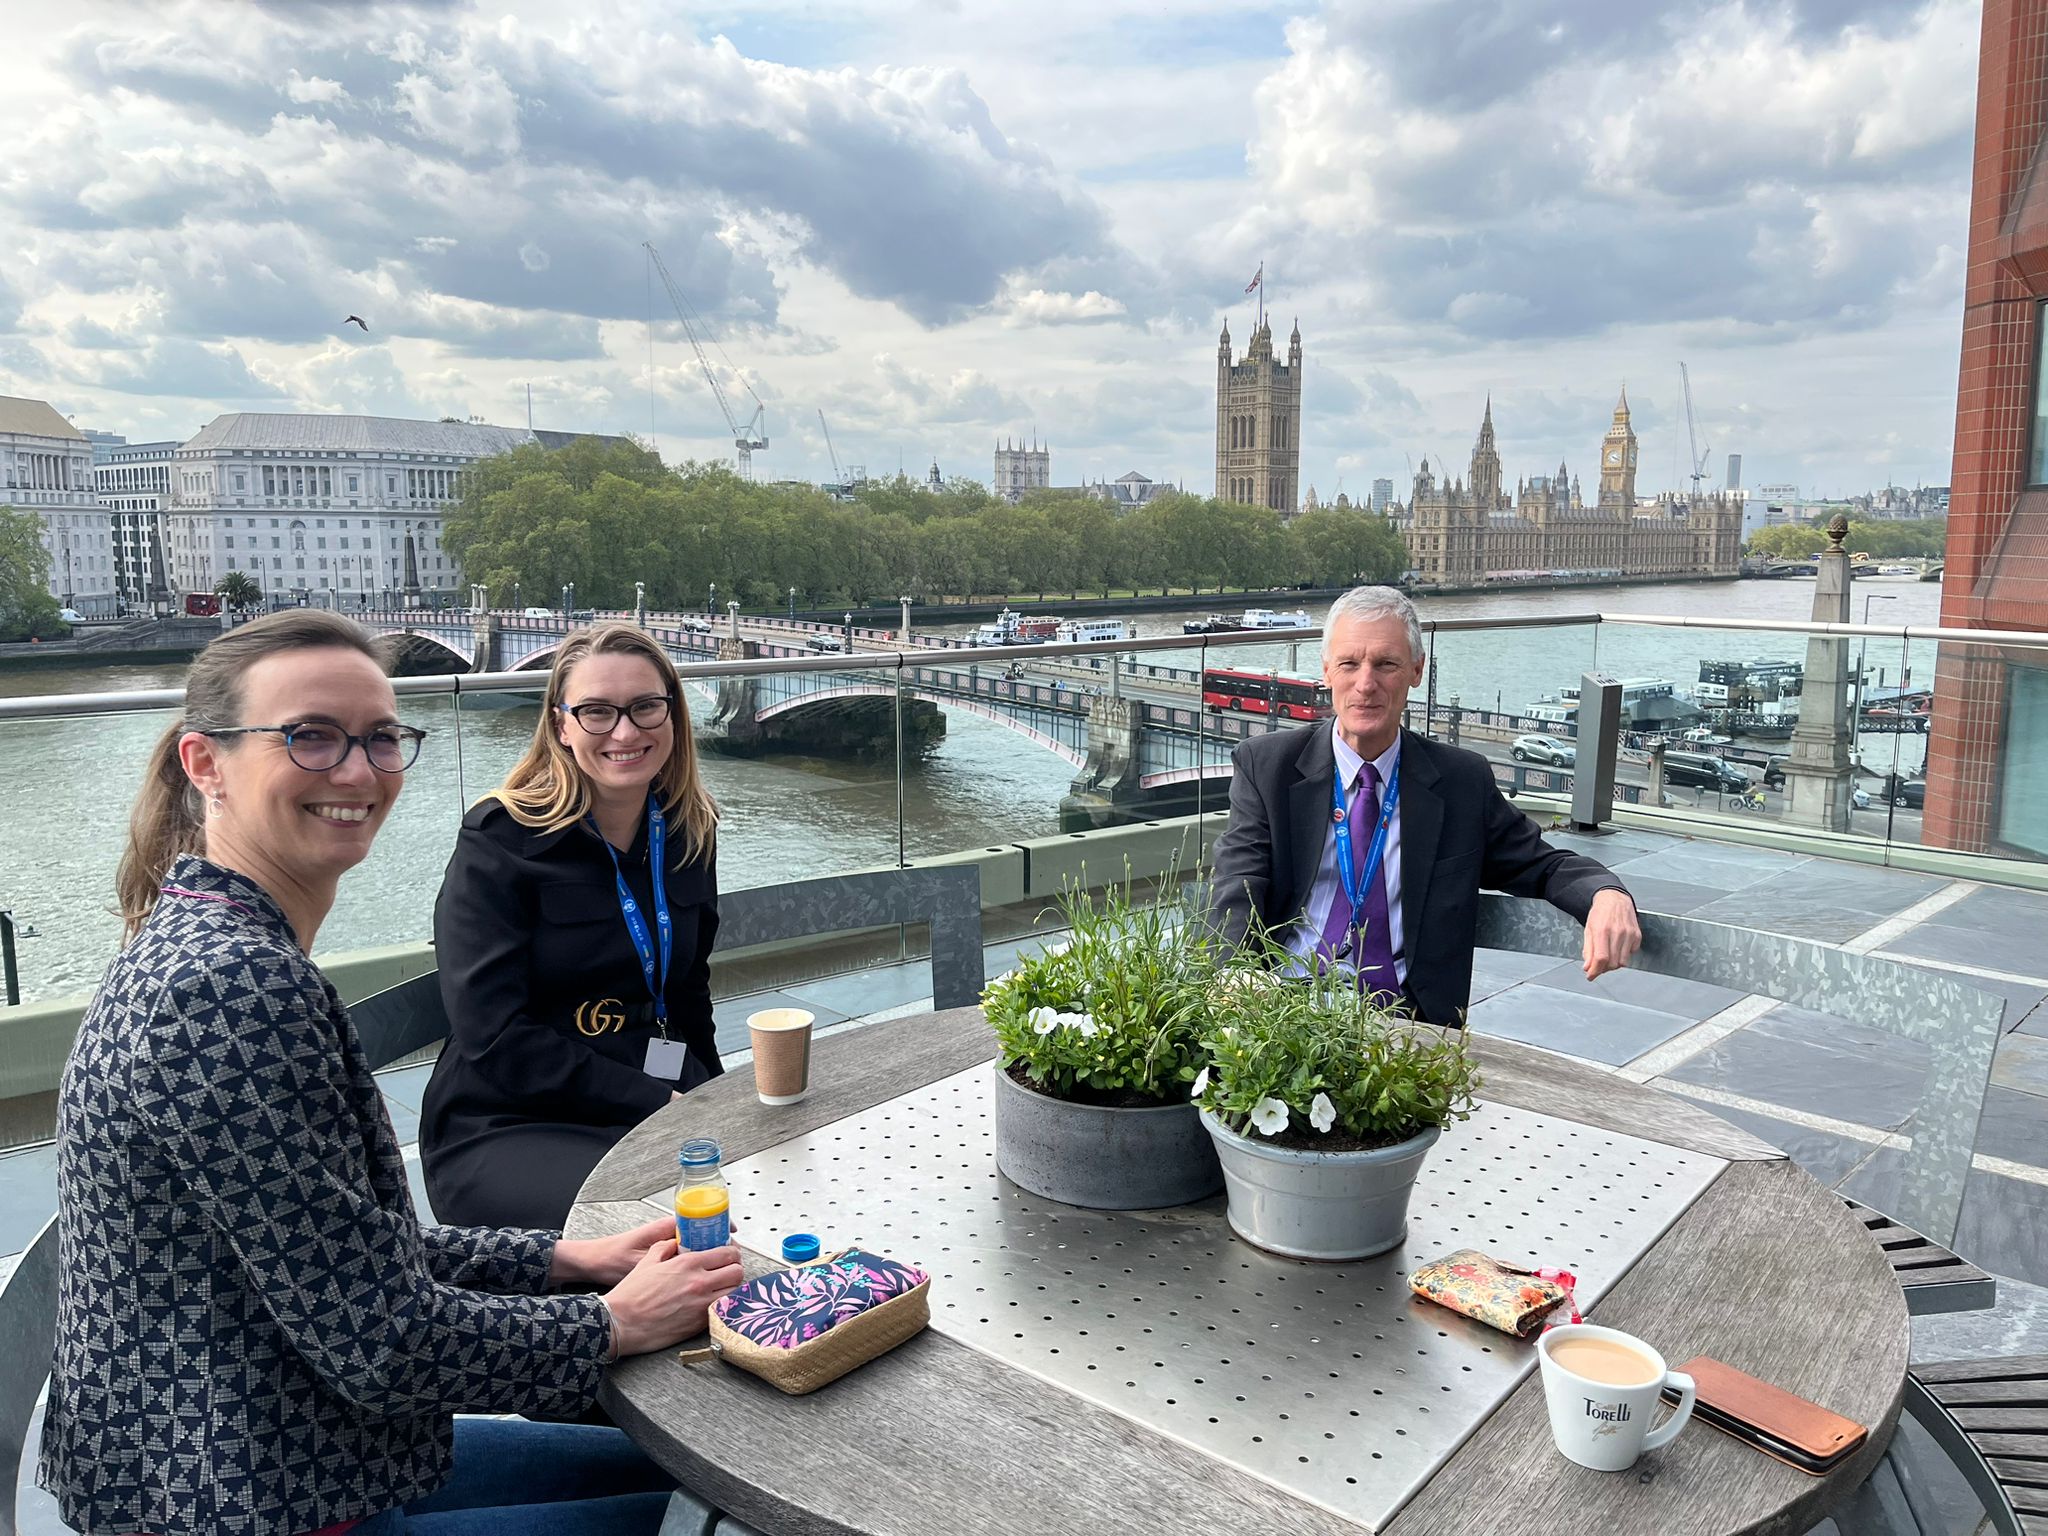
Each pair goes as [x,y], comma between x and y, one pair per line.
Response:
[665,1057]
[1356,884]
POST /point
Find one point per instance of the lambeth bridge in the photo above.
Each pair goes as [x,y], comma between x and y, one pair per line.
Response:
[1136,733]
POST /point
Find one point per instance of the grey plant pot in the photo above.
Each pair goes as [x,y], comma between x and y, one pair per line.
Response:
[1318,1205]
[1102,1159]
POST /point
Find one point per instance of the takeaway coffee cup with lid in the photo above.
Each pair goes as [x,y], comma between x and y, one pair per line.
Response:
[1603,1387]
[782,1054]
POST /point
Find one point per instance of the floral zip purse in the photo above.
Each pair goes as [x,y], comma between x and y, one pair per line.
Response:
[1514,1300]
[801,1327]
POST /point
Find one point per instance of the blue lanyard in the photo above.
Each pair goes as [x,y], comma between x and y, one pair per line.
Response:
[1355,885]
[636,925]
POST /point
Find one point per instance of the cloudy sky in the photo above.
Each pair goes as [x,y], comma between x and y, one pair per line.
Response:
[942,222]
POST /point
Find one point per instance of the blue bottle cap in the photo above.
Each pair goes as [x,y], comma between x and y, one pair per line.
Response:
[698,1152]
[799,1248]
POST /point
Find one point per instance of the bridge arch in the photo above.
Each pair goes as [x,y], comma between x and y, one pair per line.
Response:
[423,653]
[1074,755]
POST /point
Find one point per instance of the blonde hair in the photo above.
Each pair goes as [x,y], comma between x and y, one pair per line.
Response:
[169,817]
[546,789]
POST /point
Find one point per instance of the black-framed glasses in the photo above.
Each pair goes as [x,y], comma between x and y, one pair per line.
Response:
[601,719]
[317,747]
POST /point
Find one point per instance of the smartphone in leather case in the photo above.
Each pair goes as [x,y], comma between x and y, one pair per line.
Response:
[1784,1427]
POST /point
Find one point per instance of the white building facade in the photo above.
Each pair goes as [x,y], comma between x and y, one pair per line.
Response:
[132,483]
[46,468]
[347,505]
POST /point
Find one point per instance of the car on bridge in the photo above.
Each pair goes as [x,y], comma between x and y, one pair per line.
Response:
[825,643]
[1544,749]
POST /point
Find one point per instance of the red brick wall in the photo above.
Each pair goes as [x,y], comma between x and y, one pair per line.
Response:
[2007,262]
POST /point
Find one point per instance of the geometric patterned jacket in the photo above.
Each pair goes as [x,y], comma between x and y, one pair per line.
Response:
[255,1335]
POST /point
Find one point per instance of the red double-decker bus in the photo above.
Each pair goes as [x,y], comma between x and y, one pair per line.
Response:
[1264,693]
[202,605]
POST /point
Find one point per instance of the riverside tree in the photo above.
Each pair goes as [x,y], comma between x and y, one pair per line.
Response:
[27,611]
[606,513]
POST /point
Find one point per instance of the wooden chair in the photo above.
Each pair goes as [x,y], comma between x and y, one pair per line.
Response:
[1990,1417]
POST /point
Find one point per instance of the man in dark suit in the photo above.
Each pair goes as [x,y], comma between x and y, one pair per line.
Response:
[1425,826]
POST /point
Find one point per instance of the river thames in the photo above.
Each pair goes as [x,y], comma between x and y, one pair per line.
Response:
[69,783]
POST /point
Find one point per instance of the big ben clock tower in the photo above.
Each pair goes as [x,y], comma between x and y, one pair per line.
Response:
[1618,464]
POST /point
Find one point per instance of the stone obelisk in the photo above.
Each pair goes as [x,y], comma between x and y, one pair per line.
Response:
[1819,777]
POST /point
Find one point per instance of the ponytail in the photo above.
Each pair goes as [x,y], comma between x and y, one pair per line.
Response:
[169,816]
[168,820]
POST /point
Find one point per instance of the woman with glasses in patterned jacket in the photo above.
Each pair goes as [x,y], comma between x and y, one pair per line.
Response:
[254,1332]
[573,934]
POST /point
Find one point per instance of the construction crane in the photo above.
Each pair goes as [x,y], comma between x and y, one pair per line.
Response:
[1692,432]
[747,436]
[838,474]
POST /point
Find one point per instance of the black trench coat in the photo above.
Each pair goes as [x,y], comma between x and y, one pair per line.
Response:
[550,1016]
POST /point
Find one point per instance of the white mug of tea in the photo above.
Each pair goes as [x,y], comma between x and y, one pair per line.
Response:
[1603,1387]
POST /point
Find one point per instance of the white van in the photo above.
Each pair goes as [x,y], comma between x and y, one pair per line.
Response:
[539,613]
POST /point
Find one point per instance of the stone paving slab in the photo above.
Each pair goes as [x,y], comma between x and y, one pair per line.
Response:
[2022,1063]
[1822,901]
[1828,1157]
[1816,1063]
[1994,928]
[1674,898]
[1595,1028]
[1692,1001]
[1723,866]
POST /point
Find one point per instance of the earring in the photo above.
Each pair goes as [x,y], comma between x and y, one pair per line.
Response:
[216,804]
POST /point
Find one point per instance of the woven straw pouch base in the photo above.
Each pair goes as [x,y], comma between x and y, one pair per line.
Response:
[836,1351]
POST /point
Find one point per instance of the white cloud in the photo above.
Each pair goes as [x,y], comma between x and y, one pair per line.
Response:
[1035,306]
[312,89]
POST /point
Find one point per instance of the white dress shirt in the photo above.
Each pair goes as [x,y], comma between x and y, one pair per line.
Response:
[1303,936]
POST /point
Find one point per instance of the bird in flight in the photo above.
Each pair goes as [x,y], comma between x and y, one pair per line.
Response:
[356,320]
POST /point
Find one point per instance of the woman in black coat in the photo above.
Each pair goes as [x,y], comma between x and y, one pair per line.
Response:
[567,1023]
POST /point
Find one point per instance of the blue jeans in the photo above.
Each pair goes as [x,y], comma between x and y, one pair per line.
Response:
[514,1477]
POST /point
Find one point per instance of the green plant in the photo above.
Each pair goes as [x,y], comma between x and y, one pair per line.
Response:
[1114,1014]
[1311,1062]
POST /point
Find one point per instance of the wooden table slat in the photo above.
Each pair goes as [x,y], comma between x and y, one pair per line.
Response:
[2029,1501]
[2019,1474]
[1922,1256]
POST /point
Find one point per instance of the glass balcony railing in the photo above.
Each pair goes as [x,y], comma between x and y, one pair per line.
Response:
[824,762]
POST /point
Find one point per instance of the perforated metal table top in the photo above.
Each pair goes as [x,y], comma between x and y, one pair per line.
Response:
[1331,1380]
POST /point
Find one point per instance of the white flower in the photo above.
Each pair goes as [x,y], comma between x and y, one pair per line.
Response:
[1201,1084]
[1043,1021]
[1081,1022]
[1269,1117]
[1003,980]
[1322,1114]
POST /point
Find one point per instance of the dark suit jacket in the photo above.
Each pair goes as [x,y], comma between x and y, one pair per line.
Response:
[1458,833]
[527,932]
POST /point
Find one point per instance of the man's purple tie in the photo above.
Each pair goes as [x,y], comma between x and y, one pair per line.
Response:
[1375,954]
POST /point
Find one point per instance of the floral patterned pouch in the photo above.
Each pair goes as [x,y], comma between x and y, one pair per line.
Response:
[801,1327]
[1516,1301]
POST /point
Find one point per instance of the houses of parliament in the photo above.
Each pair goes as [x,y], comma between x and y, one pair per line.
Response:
[1465,533]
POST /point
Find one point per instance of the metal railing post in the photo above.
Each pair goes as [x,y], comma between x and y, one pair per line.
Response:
[7,965]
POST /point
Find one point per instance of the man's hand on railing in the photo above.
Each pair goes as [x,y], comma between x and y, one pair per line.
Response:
[1612,933]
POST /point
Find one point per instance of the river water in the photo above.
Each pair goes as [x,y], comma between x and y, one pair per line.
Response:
[68,784]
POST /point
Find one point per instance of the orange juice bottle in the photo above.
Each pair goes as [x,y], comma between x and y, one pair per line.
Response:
[703,1204]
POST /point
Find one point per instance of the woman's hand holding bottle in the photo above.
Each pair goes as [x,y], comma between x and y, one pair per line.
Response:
[664,1298]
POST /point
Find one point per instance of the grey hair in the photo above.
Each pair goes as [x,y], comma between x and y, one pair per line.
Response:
[1377,603]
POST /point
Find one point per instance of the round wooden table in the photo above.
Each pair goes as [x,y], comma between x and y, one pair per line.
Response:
[1711,1243]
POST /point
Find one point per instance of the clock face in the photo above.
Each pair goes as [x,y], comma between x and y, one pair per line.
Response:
[1614,455]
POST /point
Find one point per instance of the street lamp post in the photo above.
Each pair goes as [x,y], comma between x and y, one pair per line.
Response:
[792,605]
[711,602]
[1863,650]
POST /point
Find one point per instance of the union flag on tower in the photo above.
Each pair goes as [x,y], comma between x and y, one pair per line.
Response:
[1257,278]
